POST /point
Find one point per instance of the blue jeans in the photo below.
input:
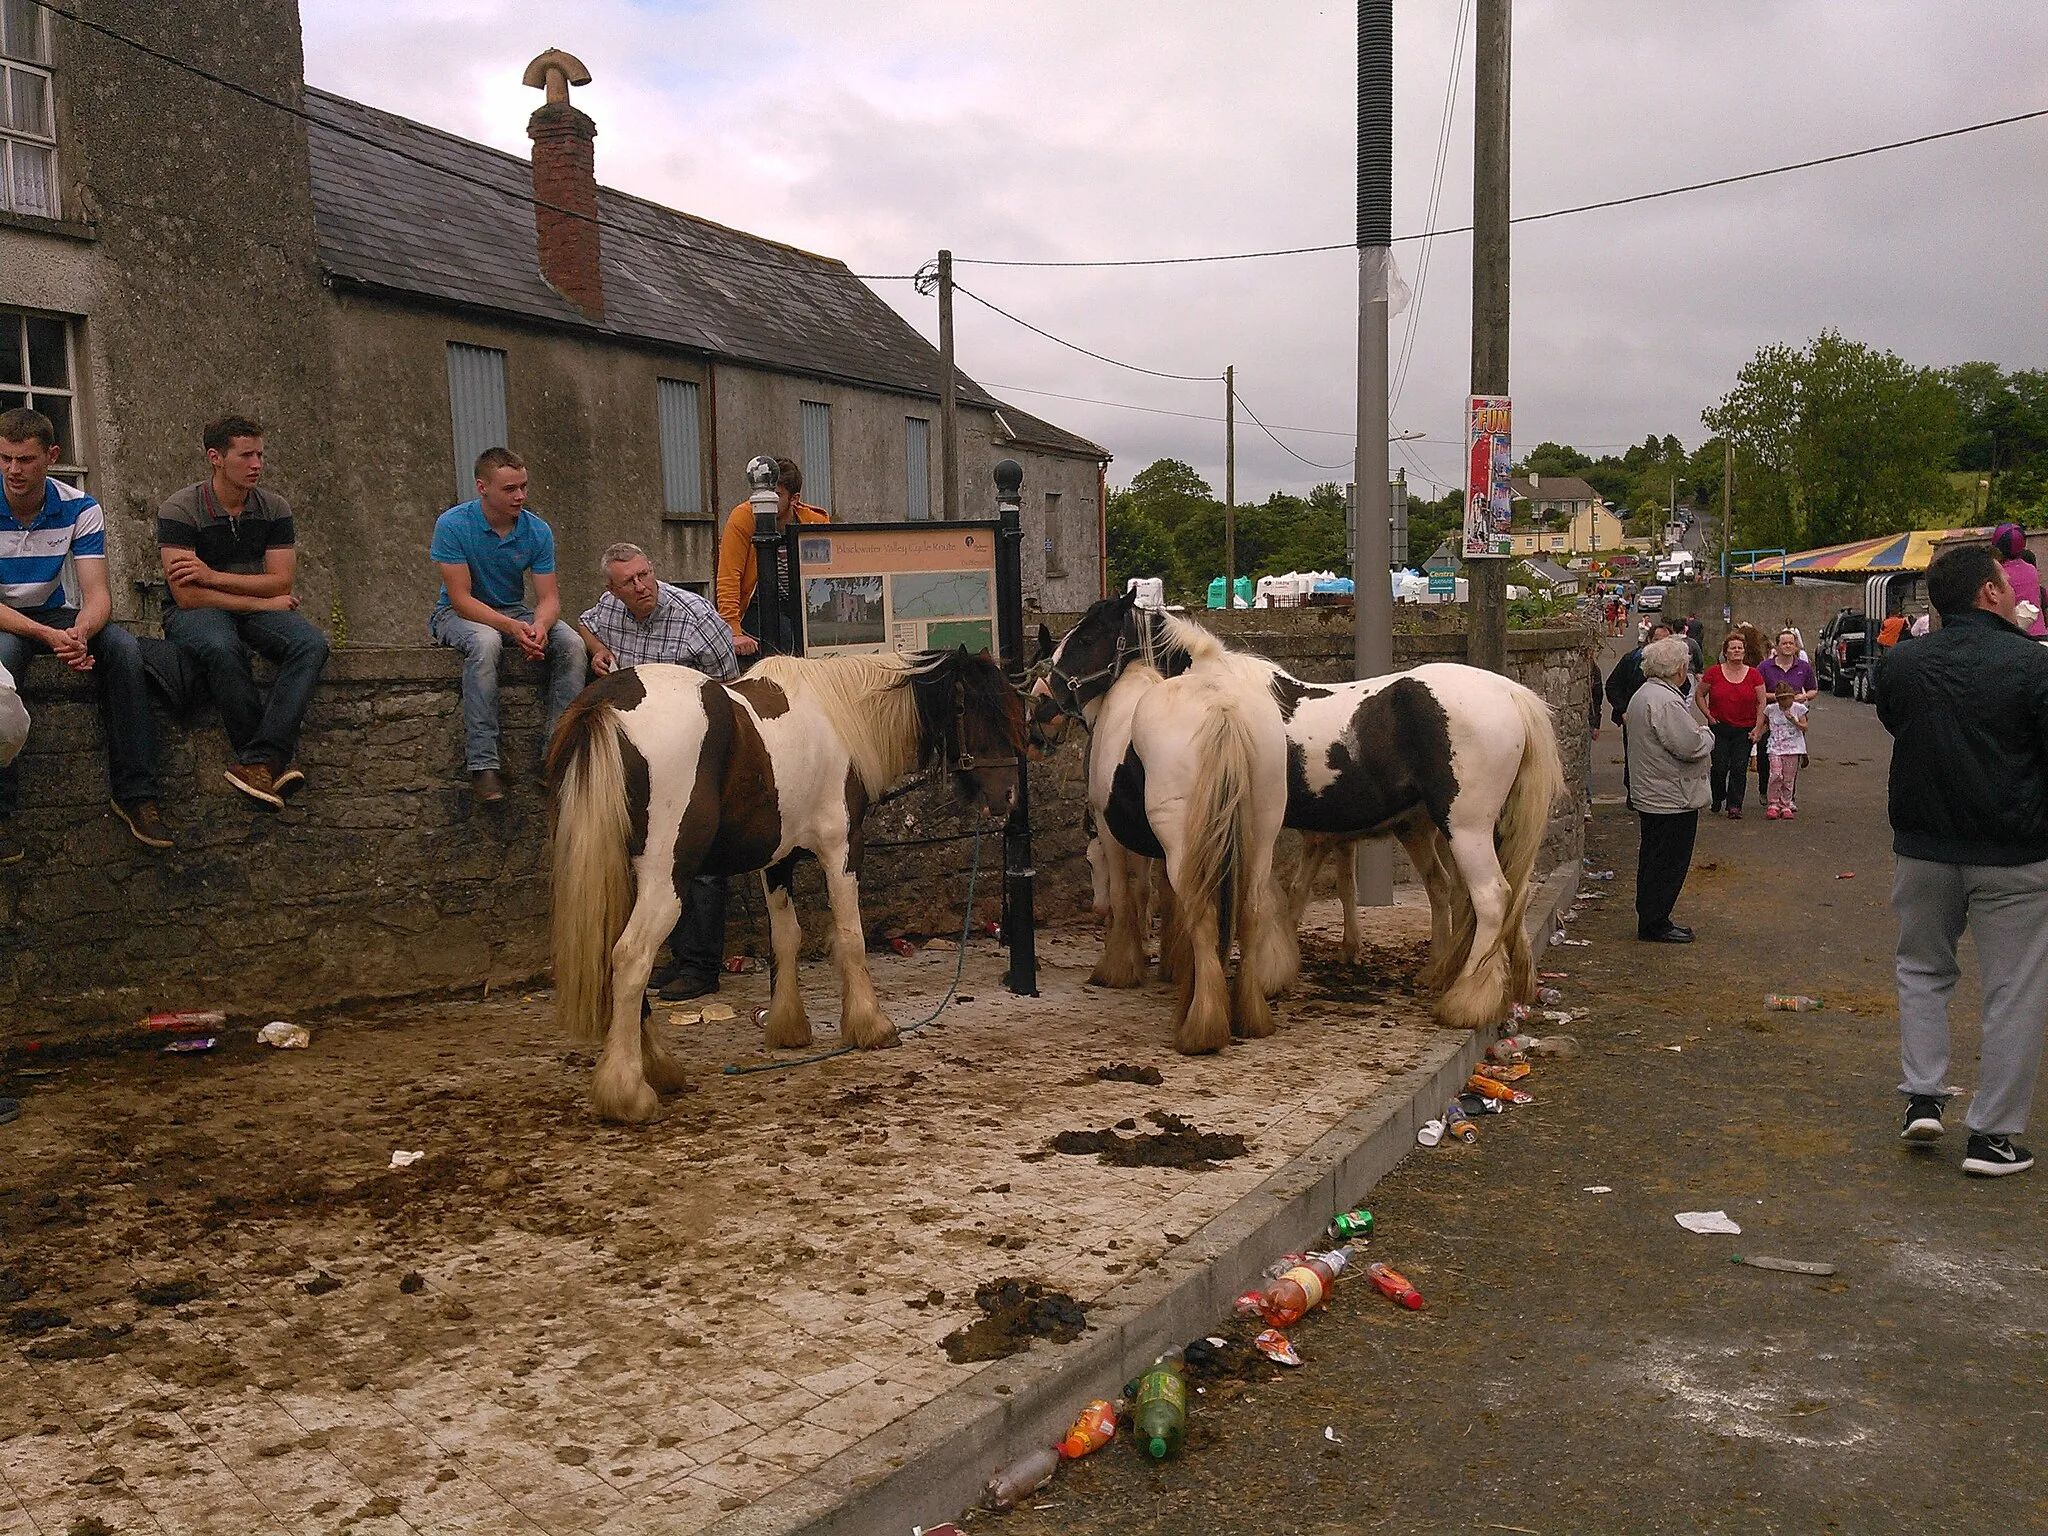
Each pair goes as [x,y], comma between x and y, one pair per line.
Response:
[221,642]
[124,706]
[480,645]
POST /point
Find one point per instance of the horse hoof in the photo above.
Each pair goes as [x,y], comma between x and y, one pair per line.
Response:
[639,1106]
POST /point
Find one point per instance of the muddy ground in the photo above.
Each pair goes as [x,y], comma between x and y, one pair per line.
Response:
[225,1310]
[1584,1364]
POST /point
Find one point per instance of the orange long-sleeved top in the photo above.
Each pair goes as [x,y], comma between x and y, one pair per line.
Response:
[737,571]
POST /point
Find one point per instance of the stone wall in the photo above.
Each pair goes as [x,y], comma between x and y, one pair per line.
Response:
[1769,605]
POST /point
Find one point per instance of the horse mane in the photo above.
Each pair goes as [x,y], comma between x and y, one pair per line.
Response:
[865,698]
[1179,637]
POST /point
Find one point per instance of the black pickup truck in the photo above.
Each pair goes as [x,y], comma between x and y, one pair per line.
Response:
[1838,655]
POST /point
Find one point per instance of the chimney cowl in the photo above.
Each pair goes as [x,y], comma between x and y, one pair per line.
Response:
[565,184]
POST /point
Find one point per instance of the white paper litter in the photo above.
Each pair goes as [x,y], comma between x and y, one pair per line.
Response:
[1577,943]
[1598,1189]
[286,1037]
[405,1159]
[1330,1434]
[1708,1223]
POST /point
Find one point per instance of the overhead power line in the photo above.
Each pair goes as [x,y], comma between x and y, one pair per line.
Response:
[513,194]
[1071,346]
[1436,193]
[1153,410]
[1537,218]
[1311,463]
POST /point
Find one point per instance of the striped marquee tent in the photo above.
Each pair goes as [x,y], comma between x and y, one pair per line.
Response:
[1894,552]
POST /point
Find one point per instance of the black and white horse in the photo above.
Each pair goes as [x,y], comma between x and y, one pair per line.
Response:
[1459,763]
[660,773]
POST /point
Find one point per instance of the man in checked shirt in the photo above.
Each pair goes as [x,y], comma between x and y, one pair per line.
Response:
[640,619]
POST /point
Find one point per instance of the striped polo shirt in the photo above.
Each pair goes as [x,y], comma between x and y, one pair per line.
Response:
[32,558]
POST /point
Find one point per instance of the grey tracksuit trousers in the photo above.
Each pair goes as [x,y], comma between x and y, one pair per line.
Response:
[2006,907]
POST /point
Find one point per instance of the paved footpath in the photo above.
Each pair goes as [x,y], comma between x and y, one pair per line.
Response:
[1587,1365]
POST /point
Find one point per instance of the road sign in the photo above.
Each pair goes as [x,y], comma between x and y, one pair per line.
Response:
[1443,584]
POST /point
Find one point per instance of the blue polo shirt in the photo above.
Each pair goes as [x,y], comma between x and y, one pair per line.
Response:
[32,558]
[497,566]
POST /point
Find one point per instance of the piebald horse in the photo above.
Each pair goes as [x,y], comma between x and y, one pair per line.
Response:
[1459,763]
[660,773]
[1190,769]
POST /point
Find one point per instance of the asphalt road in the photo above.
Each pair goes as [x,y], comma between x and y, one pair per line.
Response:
[1584,1364]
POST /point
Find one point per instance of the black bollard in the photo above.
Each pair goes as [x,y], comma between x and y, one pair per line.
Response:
[1020,924]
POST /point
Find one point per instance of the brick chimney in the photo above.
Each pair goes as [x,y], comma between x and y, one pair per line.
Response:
[565,184]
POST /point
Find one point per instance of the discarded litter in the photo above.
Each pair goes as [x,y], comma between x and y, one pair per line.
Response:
[1674,1049]
[1553,975]
[1159,1408]
[1487,1088]
[1457,1123]
[1847,874]
[1599,874]
[405,1159]
[1394,1285]
[1576,943]
[1708,1223]
[1093,1430]
[942,944]
[1792,1002]
[1503,1072]
[905,948]
[1297,1290]
[1598,1189]
[1549,996]
[201,1018]
[1330,1434]
[1353,1224]
[740,965]
[187,1047]
[716,1013]
[1561,1046]
[1008,1486]
[1787,1266]
[1429,1133]
[285,1037]
[1479,1104]
[1509,1048]
[1274,1346]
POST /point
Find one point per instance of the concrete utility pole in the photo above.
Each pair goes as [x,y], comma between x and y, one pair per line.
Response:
[1230,489]
[1486,621]
[1372,597]
[1727,522]
[949,398]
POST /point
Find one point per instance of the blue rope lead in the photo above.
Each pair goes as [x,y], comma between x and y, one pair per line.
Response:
[959,965]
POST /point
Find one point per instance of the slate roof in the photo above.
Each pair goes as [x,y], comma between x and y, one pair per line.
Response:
[1036,432]
[395,224]
[1553,488]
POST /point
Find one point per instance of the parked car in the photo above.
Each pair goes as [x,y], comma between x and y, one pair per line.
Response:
[1838,654]
[1650,600]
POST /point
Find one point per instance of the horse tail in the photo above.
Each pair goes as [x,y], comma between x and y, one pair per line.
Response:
[593,873]
[1523,821]
[1219,808]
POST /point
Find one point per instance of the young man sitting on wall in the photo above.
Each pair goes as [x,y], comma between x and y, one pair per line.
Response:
[485,548]
[231,556]
[49,521]
[739,571]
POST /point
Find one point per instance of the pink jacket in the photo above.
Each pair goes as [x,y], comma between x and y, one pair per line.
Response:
[2026,586]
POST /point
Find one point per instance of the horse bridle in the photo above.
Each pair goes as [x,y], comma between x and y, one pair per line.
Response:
[1073,684]
[953,743]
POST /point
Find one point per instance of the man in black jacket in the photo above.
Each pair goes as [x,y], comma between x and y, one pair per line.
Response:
[1967,708]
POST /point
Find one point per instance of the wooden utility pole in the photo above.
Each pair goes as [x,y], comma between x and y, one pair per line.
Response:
[949,398]
[1727,521]
[1372,596]
[1230,489]
[1486,621]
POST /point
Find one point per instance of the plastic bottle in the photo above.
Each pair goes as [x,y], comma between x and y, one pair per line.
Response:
[1510,1048]
[1302,1287]
[1159,1408]
[1394,1284]
[1009,1486]
[1092,1431]
[1459,1124]
[1353,1224]
[1792,1003]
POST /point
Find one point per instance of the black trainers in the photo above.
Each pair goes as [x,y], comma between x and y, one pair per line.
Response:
[1992,1157]
[1923,1118]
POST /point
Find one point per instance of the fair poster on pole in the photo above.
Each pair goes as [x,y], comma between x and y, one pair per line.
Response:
[1489,461]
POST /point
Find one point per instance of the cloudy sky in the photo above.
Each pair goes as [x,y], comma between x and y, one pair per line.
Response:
[1053,130]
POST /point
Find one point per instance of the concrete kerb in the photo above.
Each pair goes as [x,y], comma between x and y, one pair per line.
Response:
[930,1464]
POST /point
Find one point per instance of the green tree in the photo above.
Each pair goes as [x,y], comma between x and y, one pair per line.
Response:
[1837,441]
[2004,437]
[1138,546]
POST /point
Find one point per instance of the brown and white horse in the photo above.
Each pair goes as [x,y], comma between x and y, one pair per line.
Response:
[660,773]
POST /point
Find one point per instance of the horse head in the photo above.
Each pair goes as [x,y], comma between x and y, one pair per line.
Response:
[1085,664]
[971,721]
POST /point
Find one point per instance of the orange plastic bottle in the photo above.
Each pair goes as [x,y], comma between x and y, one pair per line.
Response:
[1392,1283]
[1093,1430]
[1302,1288]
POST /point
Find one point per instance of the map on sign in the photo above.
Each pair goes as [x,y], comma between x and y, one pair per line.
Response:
[898,587]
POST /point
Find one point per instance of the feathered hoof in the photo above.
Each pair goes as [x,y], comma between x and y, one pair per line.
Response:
[1251,1016]
[632,1103]
[1476,1002]
[664,1073]
[868,1029]
[1117,971]
[788,1028]
[1202,1029]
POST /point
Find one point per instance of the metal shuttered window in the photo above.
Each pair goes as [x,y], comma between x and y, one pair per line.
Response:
[682,453]
[917,465]
[817,460]
[476,403]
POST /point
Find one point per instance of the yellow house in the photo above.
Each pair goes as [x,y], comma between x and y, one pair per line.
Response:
[1562,515]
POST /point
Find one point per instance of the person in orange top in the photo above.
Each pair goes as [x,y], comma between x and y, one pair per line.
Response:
[738,572]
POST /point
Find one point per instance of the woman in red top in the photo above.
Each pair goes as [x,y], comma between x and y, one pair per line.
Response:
[1731,696]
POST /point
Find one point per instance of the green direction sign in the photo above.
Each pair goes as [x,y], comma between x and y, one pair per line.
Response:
[1443,584]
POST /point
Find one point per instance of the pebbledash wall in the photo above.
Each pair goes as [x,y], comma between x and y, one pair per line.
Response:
[383,879]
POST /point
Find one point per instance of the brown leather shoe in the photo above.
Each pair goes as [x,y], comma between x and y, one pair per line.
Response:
[253,780]
[288,779]
[487,784]
[145,822]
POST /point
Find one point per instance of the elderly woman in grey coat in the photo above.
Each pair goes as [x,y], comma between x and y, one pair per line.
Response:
[1668,754]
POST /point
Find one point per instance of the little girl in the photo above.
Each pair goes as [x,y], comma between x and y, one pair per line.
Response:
[1786,721]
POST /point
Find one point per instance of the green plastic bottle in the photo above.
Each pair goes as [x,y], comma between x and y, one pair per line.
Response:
[1159,1414]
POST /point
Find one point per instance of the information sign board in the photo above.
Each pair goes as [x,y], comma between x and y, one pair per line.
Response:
[872,587]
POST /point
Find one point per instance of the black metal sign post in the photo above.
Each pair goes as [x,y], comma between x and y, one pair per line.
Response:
[1019,878]
[761,479]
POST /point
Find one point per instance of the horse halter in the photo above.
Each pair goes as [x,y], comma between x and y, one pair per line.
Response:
[953,742]
[1072,683]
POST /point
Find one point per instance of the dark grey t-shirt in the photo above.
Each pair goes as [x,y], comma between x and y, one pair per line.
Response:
[192,519]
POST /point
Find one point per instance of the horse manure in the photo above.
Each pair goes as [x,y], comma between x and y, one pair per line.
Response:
[171,1293]
[1176,1144]
[94,1344]
[1127,1125]
[320,1284]
[36,1320]
[1124,1072]
[1015,1313]
[410,1283]
[11,1287]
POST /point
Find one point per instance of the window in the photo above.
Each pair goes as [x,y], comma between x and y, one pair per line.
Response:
[682,452]
[1054,564]
[476,403]
[817,454]
[36,371]
[28,112]
[917,465]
